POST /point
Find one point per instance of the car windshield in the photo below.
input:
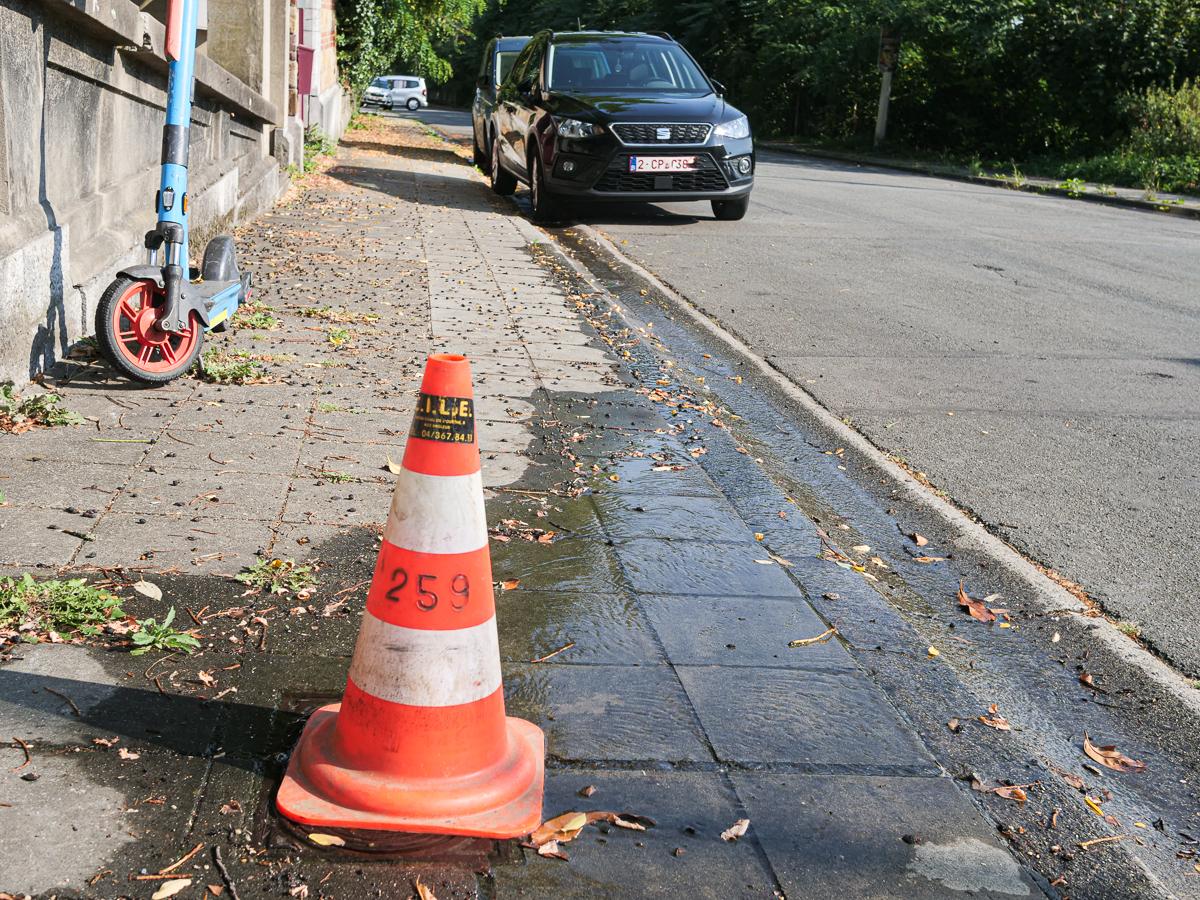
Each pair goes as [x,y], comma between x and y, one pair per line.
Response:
[504,64]
[379,83]
[624,65]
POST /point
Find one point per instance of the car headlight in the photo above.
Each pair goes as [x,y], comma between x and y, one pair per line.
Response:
[734,128]
[574,128]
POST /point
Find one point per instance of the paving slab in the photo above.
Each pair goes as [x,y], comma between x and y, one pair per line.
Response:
[630,714]
[876,838]
[818,721]
[627,516]
[682,855]
[699,567]
[607,629]
[743,631]
[569,565]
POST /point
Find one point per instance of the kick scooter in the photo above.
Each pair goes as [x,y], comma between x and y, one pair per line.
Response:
[150,322]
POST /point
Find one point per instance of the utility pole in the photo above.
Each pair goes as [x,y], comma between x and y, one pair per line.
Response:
[889,53]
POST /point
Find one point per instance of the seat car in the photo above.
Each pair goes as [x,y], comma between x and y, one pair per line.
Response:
[378,89]
[618,116]
[498,58]
[408,91]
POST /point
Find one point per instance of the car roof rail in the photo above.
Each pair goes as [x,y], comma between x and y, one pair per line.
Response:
[662,34]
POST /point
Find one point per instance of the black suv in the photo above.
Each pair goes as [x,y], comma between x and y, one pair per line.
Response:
[616,116]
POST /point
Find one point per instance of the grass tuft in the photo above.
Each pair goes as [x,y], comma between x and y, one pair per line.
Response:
[218,367]
[280,576]
[34,608]
[18,414]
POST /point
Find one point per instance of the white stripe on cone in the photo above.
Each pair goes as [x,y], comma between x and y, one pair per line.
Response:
[437,513]
[423,667]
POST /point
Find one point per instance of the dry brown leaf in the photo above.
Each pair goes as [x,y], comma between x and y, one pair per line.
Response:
[954,725]
[125,753]
[979,609]
[149,591]
[994,720]
[393,467]
[327,840]
[170,888]
[929,559]
[561,828]
[819,639]
[1110,757]
[919,539]
[105,742]
[206,678]
[550,849]
[587,791]
[423,891]
[1073,780]
[736,830]
[1007,791]
[510,585]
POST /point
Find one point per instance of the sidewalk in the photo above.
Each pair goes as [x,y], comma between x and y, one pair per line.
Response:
[668,684]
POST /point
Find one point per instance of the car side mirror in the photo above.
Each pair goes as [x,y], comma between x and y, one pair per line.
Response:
[718,87]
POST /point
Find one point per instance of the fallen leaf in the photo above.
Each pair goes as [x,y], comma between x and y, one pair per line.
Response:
[105,742]
[1093,805]
[561,828]
[861,548]
[206,678]
[216,889]
[1110,757]
[170,888]
[978,609]
[126,753]
[819,639]
[919,539]
[1008,792]
[736,830]
[327,840]
[587,791]
[233,806]
[758,536]
[1073,780]
[994,720]
[929,559]
[151,592]
[550,848]
[510,584]
[393,467]
[933,651]
[423,891]
[954,725]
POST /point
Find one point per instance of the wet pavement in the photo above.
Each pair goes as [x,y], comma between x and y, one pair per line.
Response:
[648,588]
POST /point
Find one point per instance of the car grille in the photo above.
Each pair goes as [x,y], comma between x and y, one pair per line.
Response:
[647,133]
[618,178]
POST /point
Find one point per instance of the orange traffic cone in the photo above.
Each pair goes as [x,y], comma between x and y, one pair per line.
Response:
[420,741]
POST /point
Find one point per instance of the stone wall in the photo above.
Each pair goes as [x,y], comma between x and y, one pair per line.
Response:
[82,93]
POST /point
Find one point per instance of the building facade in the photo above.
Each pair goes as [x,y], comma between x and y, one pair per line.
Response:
[82,95]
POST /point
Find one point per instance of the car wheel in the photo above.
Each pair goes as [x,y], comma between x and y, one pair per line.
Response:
[413,104]
[731,210]
[503,181]
[547,206]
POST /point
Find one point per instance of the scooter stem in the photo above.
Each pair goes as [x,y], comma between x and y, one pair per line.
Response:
[172,200]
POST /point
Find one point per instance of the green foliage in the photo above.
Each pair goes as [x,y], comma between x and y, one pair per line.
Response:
[316,144]
[219,367]
[153,636]
[339,337]
[255,317]
[378,36]
[339,314]
[1011,79]
[60,606]
[20,414]
[279,576]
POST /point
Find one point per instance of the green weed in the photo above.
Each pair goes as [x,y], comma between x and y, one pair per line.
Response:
[153,636]
[339,314]
[256,317]
[19,414]
[279,576]
[218,367]
[1073,186]
[1129,629]
[339,337]
[336,477]
[316,145]
[35,607]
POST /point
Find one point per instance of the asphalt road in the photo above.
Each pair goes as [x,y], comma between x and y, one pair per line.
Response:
[1038,358]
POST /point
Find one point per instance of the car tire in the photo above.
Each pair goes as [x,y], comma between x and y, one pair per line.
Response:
[503,181]
[413,104]
[731,210]
[547,206]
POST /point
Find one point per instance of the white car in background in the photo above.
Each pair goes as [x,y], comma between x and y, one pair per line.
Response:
[390,91]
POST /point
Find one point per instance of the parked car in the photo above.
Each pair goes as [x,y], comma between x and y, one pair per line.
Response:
[390,91]
[498,58]
[618,116]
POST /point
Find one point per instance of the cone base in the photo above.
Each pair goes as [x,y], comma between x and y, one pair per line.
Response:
[520,814]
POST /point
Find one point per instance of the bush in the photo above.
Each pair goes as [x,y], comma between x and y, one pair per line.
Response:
[1166,122]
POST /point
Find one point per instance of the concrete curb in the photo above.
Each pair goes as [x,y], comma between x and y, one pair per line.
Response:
[1189,212]
[970,535]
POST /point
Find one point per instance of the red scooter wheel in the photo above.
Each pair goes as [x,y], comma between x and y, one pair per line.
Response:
[130,338]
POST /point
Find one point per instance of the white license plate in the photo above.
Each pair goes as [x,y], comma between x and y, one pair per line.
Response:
[662,164]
